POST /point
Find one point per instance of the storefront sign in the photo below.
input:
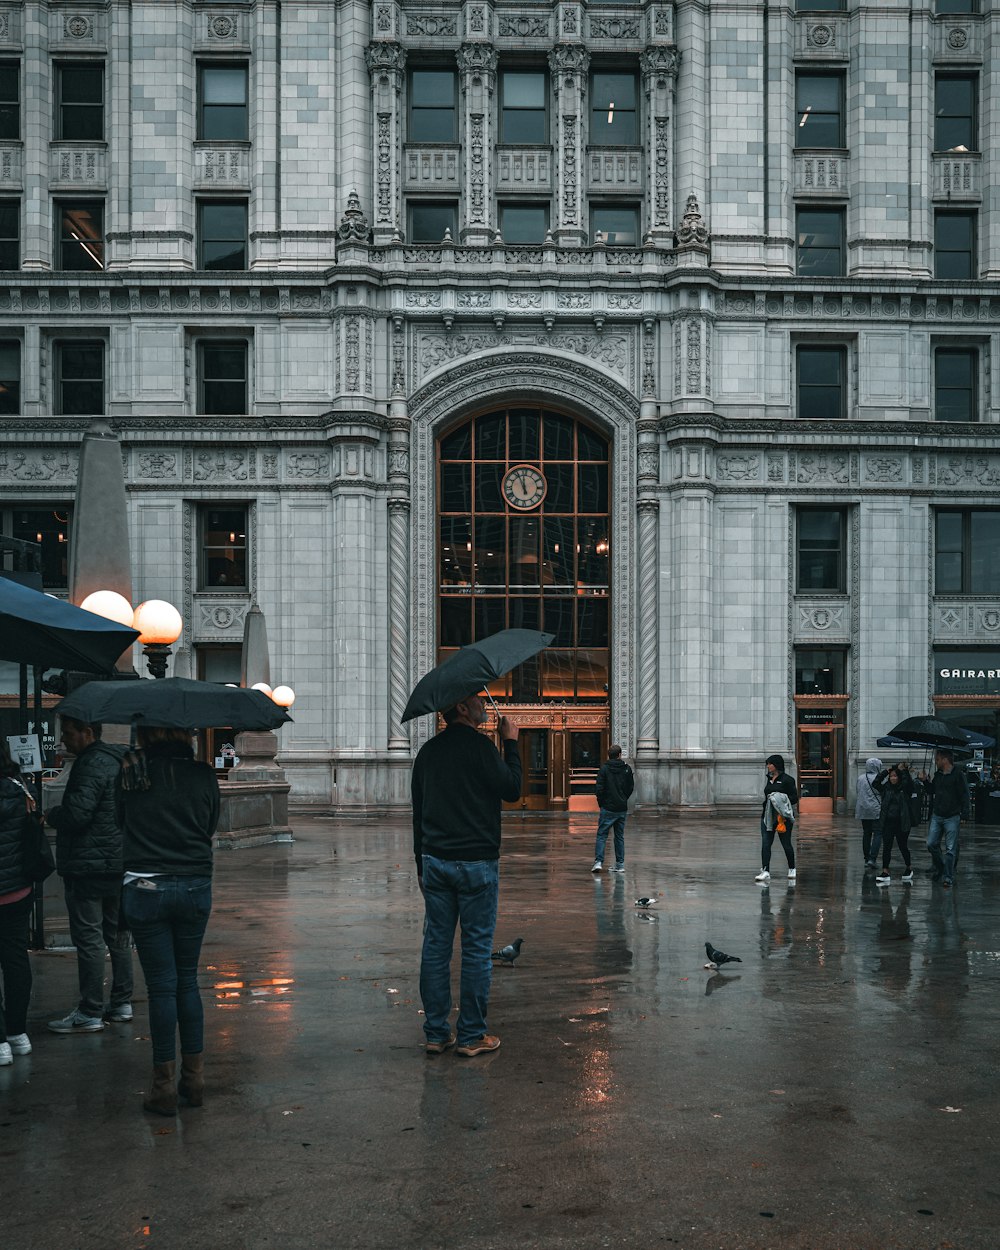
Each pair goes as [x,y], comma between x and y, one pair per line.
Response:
[966,672]
[829,718]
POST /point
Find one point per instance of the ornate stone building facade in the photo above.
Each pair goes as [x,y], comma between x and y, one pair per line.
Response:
[310,258]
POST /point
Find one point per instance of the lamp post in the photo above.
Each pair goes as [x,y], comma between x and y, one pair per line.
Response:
[283,696]
[159,625]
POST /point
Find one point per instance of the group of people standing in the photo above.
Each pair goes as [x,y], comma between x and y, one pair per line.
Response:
[134,849]
[890,804]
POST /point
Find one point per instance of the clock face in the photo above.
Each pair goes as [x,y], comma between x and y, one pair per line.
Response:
[524,487]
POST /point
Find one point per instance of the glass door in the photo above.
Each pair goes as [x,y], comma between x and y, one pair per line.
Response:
[586,752]
[533,745]
[818,756]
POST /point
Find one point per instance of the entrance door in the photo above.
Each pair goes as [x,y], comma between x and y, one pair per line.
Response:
[820,771]
[586,751]
[533,745]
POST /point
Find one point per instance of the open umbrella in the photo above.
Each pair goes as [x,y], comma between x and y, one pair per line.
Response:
[39,630]
[173,703]
[472,668]
[927,731]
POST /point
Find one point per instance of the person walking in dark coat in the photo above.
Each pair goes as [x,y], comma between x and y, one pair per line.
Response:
[15,914]
[169,810]
[614,785]
[89,858]
[459,781]
[772,820]
[895,819]
[950,805]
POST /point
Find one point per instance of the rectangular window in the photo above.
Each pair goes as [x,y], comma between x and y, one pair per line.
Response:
[613,115]
[81,235]
[821,374]
[10,378]
[820,672]
[524,223]
[49,527]
[955,375]
[223,112]
[820,249]
[428,222]
[954,245]
[222,375]
[820,6]
[10,100]
[223,551]
[523,95]
[10,234]
[967,552]
[822,539]
[616,223]
[433,106]
[80,377]
[956,6]
[955,110]
[81,100]
[222,234]
[819,110]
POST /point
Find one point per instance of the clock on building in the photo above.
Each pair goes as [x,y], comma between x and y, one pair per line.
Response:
[524,487]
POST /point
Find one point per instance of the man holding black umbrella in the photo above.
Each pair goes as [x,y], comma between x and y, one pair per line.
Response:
[950,805]
[459,781]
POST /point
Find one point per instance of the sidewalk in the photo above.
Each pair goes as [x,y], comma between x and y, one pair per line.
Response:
[835,1091]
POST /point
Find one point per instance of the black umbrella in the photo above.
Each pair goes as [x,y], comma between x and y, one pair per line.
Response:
[172,703]
[39,630]
[472,668]
[926,731]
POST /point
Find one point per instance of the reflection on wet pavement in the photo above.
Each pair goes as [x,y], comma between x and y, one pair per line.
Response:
[835,1089]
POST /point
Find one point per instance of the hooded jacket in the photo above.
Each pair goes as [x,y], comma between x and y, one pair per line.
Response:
[12,809]
[614,785]
[868,806]
[893,799]
[783,782]
[88,835]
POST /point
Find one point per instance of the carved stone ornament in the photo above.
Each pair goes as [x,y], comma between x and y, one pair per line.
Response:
[78,27]
[738,468]
[989,619]
[222,615]
[353,226]
[220,466]
[523,26]
[308,464]
[46,466]
[569,58]
[958,37]
[4,27]
[382,57]
[383,19]
[692,231]
[885,469]
[827,619]
[157,464]
[614,28]
[820,36]
[477,58]
[222,27]
[659,62]
[431,24]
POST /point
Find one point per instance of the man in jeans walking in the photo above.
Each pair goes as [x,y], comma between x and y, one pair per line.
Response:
[614,785]
[459,780]
[949,794]
[89,859]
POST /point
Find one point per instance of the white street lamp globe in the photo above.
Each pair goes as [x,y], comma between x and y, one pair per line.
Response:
[157,622]
[262,686]
[284,696]
[109,604]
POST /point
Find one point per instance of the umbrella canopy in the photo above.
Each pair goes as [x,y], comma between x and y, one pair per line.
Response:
[927,731]
[472,668]
[39,630]
[976,740]
[891,743]
[172,703]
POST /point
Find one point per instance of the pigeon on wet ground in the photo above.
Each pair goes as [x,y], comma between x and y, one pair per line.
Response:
[645,902]
[509,953]
[717,958]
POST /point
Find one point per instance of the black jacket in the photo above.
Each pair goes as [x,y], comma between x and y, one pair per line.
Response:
[949,794]
[459,780]
[12,811]
[786,784]
[88,835]
[614,785]
[893,800]
[169,826]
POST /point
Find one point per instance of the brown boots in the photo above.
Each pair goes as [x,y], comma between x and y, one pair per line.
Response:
[192,1083]
[162,1096]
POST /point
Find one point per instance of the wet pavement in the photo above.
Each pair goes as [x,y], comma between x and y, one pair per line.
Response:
[837,1089]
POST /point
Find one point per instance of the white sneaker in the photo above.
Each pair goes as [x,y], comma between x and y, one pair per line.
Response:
[883,878]
[6,1058]
[598,866]
[908,875]
[19,1044]
[791,874]
[618,868]
[763,875]
[119,1015]
[77,1022]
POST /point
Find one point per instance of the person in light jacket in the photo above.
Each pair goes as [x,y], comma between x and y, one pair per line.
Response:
[867,809]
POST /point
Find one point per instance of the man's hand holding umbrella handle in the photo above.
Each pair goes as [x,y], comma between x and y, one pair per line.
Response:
[508,730]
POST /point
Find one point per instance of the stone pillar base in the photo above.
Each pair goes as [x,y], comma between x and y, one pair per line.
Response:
[254,796]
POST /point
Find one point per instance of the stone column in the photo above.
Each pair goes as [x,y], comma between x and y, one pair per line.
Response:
[386,61]
[569,63]
[477,67]
[399,550]
[659,76]
[648,564]
[37,244]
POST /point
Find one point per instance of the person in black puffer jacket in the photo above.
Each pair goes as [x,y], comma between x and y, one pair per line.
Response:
[89,858]
[15,914]
[614,786]
[892,786]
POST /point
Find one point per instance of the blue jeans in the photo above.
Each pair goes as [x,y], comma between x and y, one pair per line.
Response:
[466,891]
[168,923]
[946,827]
[606,821]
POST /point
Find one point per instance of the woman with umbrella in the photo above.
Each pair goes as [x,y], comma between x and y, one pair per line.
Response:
[169,809]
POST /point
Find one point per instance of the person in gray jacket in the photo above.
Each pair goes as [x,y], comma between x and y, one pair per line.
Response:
[867,809]
[89,859]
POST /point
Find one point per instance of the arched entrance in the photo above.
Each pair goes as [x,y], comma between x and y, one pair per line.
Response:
[523,540]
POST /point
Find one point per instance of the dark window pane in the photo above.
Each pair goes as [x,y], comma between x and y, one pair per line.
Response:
[489,488]
[457,446]
[820,549]
[490,552]
[559,620]
[523,111]
[819,672]
[79,398]
[559,496]
[432,88]
[81,378]
[524,223]
[820,242]
[819,529]
[432,107]
[428,222]
[819,111]
[557,433]
[82,361]
[81,101]
[592,557]
[955,385]
[224,377]
[524,428]
[523,126]
[590,445]
[10,215]
[593,488]
[10,94]
[225,397]
[525,569]
[957,6]
[954,245]
[613,109]
[491,437]
[10,378]
[820,6]
[489,617]
[524,614]
[558,552]
[985,557]
[455,556]
[820,384]
[50,528]
[616,225]
[10,255]
[955,113]
[592,623]
[949,531]
[223,235]
[948,573]
[220,255]
[81,234]
[456,488]
[456,622]
[224,84]
[224,547]
[591,674]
